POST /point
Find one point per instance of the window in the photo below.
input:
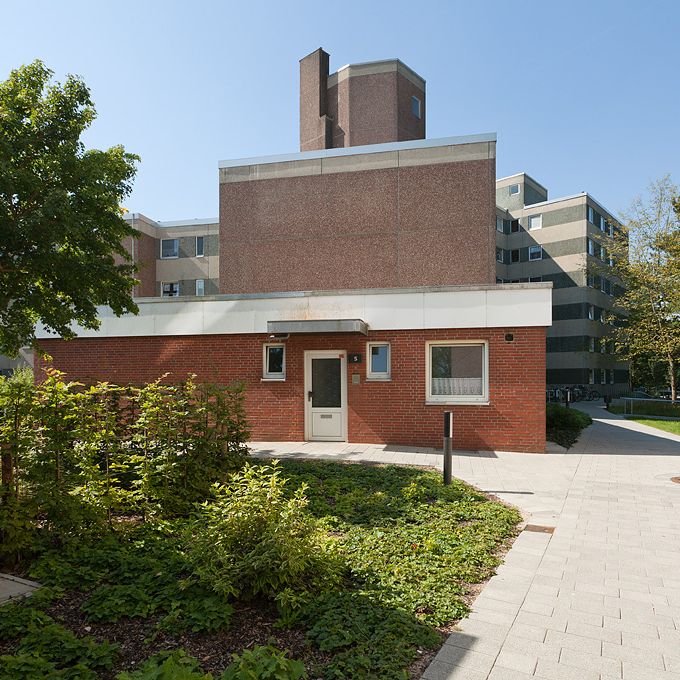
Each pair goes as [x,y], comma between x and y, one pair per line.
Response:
[591,247]
[500,225]
[611,376]
[591,280]
[378,359]
[200,286]
[603,224]
[170,289]
[535,279]
[591,312]
[603,376]
[591,346]
[199,246]
[513,189]
[169,248]
[611,229]
[457,372]
[603,346]
[499,255]
[274,362]
[514,256]
[603,315]
[591,376]
[535,222]
[591,215]
[415,107]
[514,226]
[535,252]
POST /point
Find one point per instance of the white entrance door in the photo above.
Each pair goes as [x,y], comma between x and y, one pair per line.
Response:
[326,396]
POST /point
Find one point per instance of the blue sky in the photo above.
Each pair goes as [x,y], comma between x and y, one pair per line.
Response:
[584,96]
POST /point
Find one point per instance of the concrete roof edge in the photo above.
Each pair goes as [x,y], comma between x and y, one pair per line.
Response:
[356,150]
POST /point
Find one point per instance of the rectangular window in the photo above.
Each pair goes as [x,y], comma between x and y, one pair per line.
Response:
[591,312]
[603,346]
[611,229]
[535,222]
[591,376]
[499,255]
[514,226]
[274,362]
[378,360]
[591,247]
[514,256]
[603,224]
[591,346]
[535,279]
[199,246]
[200,286]
[611,376]
[603,376]
[591,215]
[457,372]
[535,252]
[415,107]
[603,284]
[169,248]
[500,225]
[513,189]
[170,289]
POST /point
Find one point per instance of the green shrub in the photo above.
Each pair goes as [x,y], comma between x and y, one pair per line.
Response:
[29,667]
[561,418]
[175,665]
[17,618]
[113,602]
[255,540]
[264,663]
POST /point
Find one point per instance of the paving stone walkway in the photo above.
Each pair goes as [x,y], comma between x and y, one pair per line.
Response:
[597,599]
[12,587]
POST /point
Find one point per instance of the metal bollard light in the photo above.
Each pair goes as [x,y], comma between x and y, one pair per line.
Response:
[448,436]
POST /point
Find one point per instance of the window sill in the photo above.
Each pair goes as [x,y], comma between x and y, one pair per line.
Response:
[429,402]
[272,380]
[373,379]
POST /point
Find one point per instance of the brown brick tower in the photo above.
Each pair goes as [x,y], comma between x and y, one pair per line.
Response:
[369,103]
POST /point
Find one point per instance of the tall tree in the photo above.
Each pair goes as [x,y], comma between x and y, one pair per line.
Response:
[61,221]
[646,256]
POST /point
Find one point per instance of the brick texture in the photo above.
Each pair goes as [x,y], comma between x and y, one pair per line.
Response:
[391,412]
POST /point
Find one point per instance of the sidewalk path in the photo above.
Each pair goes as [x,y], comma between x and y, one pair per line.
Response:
[13,586]
[597,599]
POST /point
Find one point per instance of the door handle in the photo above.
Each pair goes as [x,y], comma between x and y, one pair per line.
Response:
[309,395]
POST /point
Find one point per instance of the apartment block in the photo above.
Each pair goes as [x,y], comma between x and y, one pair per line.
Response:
[564,241]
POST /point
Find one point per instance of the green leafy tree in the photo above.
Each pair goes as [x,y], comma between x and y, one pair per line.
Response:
[61,222]
[646,257]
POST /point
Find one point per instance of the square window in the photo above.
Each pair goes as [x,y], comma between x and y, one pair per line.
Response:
[514,256]
[457,372]
[200,286]
[200,252]
[169,248]
[274,362]
[378,359]
[170,289]
[535,252]
[513,189]
[535,222]
[416,107]
[499,255]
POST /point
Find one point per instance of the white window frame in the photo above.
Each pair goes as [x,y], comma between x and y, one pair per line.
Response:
[202,287]
[169,257]
[377,375]
[481,400]
[539,250]
[169,283]
[532,219]
[510,190]
[419,108]
[266,375]
[202,246]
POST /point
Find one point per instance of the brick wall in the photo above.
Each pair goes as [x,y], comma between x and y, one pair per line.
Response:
[379,412]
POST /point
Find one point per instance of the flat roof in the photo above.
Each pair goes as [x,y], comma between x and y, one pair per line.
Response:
[356,150]
[527,175]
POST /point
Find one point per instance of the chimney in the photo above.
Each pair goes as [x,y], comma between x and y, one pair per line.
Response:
[315,126]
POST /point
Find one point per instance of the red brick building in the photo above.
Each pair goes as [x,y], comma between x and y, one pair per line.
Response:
[357,295]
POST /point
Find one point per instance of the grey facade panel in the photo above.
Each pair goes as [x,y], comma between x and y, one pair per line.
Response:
[533,195]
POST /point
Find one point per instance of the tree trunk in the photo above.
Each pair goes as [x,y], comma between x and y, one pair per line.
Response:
[7,469]
[671,370]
